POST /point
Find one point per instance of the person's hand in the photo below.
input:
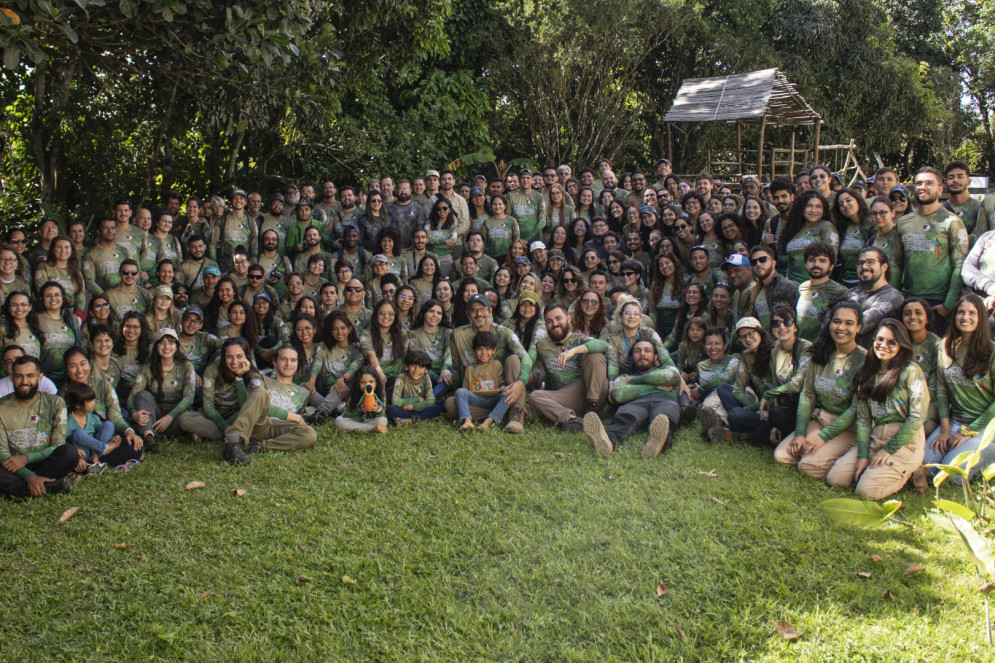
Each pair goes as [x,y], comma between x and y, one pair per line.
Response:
[880,458]
[133,439]
[513,391]
[409,407]
[452,242]
[36,485]
[861,466]
[990,303]
[695,394]
[764,404]
[81,466]
[770,239]
[242,367]
[812,444]
[446,376]
[684,388]
[14,463]
[295,418]
[143,277]
[942,442]
[797,442]
[565,356]
[199,381]
[162,424]
[309,385]
[341,388]
[775,436]
[940,310]
[140,417]
[380,374]
[690,377]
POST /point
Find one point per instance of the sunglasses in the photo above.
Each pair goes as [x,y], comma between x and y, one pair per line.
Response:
[627,273]
[130,272]
[589,302]
[569,280]
[775,324]
[255,277]
[354,288]
[443,209]
[761,260]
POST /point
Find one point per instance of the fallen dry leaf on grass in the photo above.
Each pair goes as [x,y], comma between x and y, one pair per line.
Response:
[430,457]
[684,636]
[67,514]
[511,540]
[864,574]
[303,581]
[348,581]
[888,595]
[559,454]
[661,590]
[786,631]
[877,558]
[987,588]
[710,474]
[195,484]
[717,500]
[915,568]
[238,492]
[205,594]
[119,546]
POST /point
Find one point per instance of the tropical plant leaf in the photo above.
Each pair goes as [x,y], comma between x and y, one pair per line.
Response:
[978,547]
[891,506]
[855,512]
[956,509]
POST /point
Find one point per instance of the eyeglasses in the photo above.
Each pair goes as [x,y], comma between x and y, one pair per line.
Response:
[255,277]
[633,314]
[443,209]
[8,259]
[344,270]
[18,241]
[299,330]
[775,323]
[746,335]
[386,314]
[589,302]
[887,342]
[354,288]
[129,272]
[761,260]
[132,327]
[627,274]
[405,297]
[99,306]
[869,262]
[569,280]
[880,214]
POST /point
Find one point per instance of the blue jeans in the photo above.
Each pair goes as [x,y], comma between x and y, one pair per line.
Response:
[91,444]
[465,398]
[970,444]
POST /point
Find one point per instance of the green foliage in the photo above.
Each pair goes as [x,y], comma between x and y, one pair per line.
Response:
[859,513]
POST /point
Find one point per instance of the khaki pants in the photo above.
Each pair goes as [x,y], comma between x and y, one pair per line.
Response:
[253,423]
[562,405]
[512,367]
[714,403]
[877,483]
[817,464]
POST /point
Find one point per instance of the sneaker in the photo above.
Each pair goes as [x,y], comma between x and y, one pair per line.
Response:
[574,424]
[595,430]
[515,424]
[151,445]
[706,417]
[253,447]
[718,434]
[96,468]
[234,453]
[591,406]
[657,438]
[58,487]
[688,414]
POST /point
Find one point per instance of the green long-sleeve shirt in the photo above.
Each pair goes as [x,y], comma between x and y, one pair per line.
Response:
[461,347]
[333,363]
[974,216]
[618,350]
[418,395]
[935,248]
[821,231]
[814,302]
[924,354]
[713,373]
[829,387]
[530,213]
[224,400]
[101,266]
[906,404]
[34,430]
[436,345]
[629,387]
[969,401]
[174,394]
[748,376]
[391,359]
[548,350]
[851,245]
[58,336]
[788,373]
[284,399]
[891,244]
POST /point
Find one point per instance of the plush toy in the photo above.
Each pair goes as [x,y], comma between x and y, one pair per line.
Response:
[369,404]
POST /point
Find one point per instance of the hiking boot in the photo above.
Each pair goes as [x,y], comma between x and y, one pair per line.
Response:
[253,447]
[919,481]
[688,414]
[234,453]
[58,487]
[515,424]
[657,438]
[718,434]
[706,417]
[151,445]
[574,425]
[595,430]
[591,406]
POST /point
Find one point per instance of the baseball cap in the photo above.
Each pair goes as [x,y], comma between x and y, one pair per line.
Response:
[663,160]
[528,296]
[749,322]
[481,299]
[194,310]
[736,260]
[647,209]
[556,253]
[262,295]
[162,333]
[304,203]
[430,173]
[163,291]
[477,191]
[522,260]
[380,258]
[238,192]
[277,196]
[212,270]
[536,246]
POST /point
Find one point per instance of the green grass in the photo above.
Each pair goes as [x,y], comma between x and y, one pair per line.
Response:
[427,545]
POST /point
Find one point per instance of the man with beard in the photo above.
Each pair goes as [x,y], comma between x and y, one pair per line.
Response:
[330,207]
[875,297]
[817,295]
[576,372]
[353,296]
[312,247]
[701,270]
[740,271]
[191,270]
[34,458]
[233,229]
[126,295]
[254,207]
[296,241]
[610,182]
[486,265]
[273,220]
[516,361]
[782,193]
[413,258]
[769,287]
[272,261]
[970,210]
[646,399]
[405,214]
[638,187]
[447,182]
[935,243]
[292,195]
[527,207]
[102,262]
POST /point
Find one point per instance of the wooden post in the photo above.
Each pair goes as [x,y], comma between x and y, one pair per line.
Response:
[760,149]
[791,167]
[739,145]
[670,144]
[815,150]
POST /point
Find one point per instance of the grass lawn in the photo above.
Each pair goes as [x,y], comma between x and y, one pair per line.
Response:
[425,544]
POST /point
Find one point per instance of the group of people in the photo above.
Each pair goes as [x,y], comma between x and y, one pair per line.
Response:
[845,327]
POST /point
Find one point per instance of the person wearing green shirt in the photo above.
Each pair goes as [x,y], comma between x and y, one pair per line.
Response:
[978,270]
[717,369]
[576,372]
[824,428]
[336,360]
[527,207]
[499,228]
[807,222]
[875,297]
[957,176]
[103,261]
[34,457]
[769,287]
[59,331]
[935,243]
[235,228]
[163,390]
[412,397]
[884,236]
[383,343]
[891,403]
[647,399]
[917,316]
[430,334]
[817,295]
[965,387]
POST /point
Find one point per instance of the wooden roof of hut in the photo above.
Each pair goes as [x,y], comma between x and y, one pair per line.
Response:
[759,96]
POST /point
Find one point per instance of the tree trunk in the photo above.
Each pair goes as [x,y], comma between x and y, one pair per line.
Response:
[147,191]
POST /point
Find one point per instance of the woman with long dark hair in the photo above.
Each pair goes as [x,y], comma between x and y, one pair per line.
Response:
[59,330]
[164,389]
[892,400]
[667,291]
[62,267]
[849,215]
[241,322]
[21,324]
[442,233]
[425,279]
[406,303]
[526,321]
[336,360]
[917,316]
[965,386]
[216,311]
[589,316]
[754,217]
[131,351]
[884,236]
[825,429]
[570,285]
[383,343]
[304,332]
[807,222]
[430,334]
[443,293]
[693,304]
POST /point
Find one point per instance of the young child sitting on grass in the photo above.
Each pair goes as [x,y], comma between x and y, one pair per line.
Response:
[364,410]
[691,351]
[413,390]
[85,430]
[482,385]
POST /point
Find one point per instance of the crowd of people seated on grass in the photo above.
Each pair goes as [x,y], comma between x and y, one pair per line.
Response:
[846,329]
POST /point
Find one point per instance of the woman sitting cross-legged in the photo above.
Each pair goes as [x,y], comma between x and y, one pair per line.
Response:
[163,390]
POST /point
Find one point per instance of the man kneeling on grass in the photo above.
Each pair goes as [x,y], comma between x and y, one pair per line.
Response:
[648,396]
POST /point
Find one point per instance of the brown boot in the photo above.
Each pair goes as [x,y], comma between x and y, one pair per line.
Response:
[515,424]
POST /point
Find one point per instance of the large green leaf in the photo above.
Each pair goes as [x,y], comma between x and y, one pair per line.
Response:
[979,548]
[956,509]
[855,512]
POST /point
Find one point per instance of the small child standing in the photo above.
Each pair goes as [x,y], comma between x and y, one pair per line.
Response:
[482,385]
[85,430]
[691,350]
[413,390]
[364,410]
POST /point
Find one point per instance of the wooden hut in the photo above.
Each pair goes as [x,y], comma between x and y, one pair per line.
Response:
[758,98]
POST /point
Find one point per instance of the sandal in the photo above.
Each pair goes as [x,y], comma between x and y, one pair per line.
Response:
[467,427]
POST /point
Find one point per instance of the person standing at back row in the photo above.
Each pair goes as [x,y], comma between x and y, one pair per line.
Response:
[935,243]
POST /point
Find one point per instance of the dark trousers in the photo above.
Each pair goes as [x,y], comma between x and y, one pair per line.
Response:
[58,464]
[636,415]
[742,420]
[396,412]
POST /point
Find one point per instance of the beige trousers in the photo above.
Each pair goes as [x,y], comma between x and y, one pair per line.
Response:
[254,423]
[818,463]
[877,483]
[562,405]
